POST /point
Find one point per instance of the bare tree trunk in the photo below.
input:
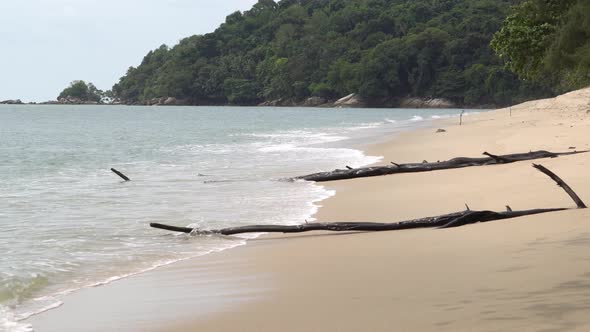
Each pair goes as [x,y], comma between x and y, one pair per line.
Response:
[460,162]
[444,221]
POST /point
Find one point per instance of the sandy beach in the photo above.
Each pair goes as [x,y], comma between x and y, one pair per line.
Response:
[524,274]
[527,274]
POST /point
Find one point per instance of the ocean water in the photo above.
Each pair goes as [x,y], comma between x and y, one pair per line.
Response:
[67,222]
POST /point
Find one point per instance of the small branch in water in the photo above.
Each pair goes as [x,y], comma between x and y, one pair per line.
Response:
[120,174]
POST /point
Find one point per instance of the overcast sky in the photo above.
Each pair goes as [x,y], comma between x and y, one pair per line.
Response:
[45,44]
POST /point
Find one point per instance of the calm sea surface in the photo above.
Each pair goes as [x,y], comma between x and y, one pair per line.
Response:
[67,222]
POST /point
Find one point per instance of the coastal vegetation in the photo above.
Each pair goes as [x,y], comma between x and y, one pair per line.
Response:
[81,92]
[548,41]
[383,51]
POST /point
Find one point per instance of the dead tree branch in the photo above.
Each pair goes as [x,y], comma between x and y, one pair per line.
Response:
[460,162]
[562,184]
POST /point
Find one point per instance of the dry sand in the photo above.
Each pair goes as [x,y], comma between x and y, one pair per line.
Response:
[525,274]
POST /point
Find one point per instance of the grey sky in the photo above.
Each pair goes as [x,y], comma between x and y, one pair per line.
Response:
[48,43]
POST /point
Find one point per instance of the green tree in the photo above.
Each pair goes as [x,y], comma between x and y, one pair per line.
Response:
[241,91]
[548,41]
[83,91]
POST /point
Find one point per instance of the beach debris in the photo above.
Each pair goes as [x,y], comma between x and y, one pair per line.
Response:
[450,220]
[572,147]
[441,131]
[123,176]
[579,203]
[348,167]
[397,165]
[460,162]
[498,159]
[443,221]
[467,207]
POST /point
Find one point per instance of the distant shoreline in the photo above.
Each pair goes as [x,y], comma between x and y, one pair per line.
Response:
[350,101]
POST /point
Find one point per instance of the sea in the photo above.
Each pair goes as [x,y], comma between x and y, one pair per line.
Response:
[67,222]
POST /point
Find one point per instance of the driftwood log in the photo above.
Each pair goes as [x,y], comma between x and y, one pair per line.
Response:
[121,175]
[460,162]
[444,221]
[450,220]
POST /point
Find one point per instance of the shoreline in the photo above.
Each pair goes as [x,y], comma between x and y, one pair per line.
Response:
[409,103]
[506,275]
[355,281]
[71,297]
[81,296]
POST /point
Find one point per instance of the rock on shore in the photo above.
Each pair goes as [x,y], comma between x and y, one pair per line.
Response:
[427,103]
[352,100]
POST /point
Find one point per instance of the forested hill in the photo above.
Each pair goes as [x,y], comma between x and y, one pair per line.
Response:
[383,50]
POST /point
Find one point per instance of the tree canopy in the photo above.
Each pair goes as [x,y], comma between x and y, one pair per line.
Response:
[82,91]
[548,41]
[381,49]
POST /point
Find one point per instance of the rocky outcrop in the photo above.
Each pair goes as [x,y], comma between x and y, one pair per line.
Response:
[170,101]
[154,101]
[286,102]
[268,103]
[161,101]
[69,100]
[427,103]
[278,102]
[12,102]
[352,100]
[314,101]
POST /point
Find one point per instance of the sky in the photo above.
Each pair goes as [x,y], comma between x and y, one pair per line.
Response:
[46,44]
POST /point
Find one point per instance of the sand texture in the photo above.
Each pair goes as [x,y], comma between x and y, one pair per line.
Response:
[526,274]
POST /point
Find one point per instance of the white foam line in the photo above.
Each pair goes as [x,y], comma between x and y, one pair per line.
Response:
[28,315]
[107,281]
[315,207]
